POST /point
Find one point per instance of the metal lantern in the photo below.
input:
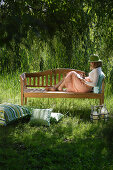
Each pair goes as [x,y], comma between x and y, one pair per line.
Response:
[104,115]
[99,112]
[94,114]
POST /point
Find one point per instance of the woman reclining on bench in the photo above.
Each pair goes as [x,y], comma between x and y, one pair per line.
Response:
[74,82]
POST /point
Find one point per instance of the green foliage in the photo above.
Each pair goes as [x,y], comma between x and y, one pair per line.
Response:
[10,88]
[37,35]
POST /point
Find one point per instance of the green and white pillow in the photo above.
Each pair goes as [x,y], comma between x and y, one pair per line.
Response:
[10,112]
[56,116]
[41,117]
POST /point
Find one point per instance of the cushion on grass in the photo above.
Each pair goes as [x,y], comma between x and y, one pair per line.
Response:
[56,116]
[98,87]
[41,117]
[10,112]
[2,118]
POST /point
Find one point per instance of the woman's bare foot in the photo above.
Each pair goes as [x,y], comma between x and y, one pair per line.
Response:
[60,89]
[51,89]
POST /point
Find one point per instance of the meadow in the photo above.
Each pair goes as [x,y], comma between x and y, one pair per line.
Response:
[72,143]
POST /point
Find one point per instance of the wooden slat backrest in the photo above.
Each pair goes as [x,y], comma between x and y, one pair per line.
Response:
[38,81]
[29,80]
[46,78]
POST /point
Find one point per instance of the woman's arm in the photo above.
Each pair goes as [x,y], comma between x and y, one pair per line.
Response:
[88,79]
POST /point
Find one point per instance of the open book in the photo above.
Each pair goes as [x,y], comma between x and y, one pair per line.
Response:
[79,76]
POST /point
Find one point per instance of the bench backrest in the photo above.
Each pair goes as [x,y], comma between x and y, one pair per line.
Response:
[46,78]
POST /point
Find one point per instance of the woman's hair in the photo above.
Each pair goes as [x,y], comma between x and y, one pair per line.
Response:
[97,64]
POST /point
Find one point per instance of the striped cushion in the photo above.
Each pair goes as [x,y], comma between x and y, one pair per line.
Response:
[41,117]
[2,118]
[10,112]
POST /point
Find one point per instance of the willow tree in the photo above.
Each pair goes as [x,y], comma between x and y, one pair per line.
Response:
[82,24]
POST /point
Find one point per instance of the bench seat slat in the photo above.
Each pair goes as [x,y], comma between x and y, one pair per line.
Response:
[49,94]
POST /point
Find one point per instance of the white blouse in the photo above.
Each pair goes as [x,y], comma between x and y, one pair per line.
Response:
[93,76]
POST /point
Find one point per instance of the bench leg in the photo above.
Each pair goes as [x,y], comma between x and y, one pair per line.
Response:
[25,100]
[102,101]
[22,100]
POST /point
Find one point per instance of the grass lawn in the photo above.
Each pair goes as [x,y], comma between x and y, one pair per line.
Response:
[73,143]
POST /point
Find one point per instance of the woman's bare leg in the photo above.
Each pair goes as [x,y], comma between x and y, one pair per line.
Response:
[67,81]
[59,84]
[55,87]
[63,83]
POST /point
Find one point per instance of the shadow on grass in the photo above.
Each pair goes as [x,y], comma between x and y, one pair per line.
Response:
[69,144]
[107,132]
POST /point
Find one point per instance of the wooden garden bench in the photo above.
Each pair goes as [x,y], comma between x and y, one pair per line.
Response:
[33,85]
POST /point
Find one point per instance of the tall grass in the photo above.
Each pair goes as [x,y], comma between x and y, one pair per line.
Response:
[72,143]
[10,88]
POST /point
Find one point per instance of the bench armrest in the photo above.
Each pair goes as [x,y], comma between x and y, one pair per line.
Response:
[22,81]
[23,76]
